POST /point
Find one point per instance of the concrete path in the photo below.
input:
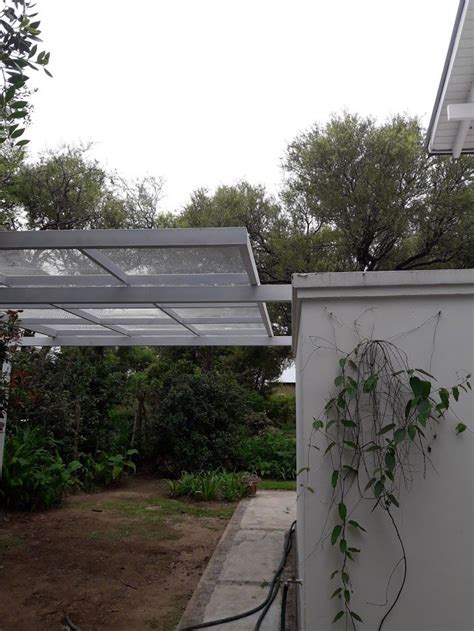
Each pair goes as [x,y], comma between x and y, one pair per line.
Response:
[243,564]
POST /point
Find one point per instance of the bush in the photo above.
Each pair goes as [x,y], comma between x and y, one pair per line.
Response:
[211,485]
[271,454]
[281,410]
[34,474]
[200,420]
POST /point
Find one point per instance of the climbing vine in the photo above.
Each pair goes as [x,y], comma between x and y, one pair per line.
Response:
[382,416]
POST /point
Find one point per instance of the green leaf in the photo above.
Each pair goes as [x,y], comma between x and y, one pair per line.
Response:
[423,372]
[372,448]
[394,500]
[334,574]
[338,380]
[338,616]
[408,408]
[444,397]
[411,432]
[355,524]
[329,447]
[347,595]
[356,617]
[460,428]
[347,423]
[370,483]
[386,429]
[318,424]
[336,592]
[390,460]
[334,478]
[370,383]
[342,511]
[455,391]
[335,533]
[342,363]
[399,435]
[379,488]
[343,545]
[345,577]
[420,388]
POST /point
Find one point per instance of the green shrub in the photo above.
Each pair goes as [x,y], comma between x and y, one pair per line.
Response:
[199,421]
[281,410]
[271,454]
[34,474]
[211,485]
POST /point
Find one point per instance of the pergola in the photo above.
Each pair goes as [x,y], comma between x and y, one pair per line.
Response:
[168,287]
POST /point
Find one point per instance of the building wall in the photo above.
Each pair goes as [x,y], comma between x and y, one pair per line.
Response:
[430,316]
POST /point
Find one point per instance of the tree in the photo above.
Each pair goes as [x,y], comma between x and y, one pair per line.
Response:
[19,37]
[380,201]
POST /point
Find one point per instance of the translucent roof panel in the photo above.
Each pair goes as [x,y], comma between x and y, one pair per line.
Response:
[46,262]
[193,286]
[193,260]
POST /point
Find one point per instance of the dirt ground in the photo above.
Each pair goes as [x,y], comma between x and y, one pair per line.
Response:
[128,558]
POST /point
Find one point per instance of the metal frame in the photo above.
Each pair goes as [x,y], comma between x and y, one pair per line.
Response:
[114,288]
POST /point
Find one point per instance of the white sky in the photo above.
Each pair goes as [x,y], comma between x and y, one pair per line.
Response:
[206,92]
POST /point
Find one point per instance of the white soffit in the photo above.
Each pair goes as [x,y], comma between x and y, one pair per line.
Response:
[451,129]
[183,287]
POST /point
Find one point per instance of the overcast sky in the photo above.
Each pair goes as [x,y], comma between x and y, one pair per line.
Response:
[206,92]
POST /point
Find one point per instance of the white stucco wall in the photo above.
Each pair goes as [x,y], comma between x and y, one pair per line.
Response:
[429,315]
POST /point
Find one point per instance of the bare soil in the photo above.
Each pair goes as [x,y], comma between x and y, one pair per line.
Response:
[128,558]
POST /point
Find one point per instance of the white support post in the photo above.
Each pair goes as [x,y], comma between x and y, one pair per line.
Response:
[6,372]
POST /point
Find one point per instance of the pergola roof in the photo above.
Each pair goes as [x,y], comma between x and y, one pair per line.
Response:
[137,288]
[450,130]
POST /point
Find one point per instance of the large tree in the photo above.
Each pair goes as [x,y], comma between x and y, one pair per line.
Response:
[378,199]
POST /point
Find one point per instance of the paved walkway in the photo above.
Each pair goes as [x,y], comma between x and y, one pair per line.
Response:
[243,564]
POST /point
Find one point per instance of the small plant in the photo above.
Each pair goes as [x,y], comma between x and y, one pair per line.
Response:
[382,416]
[212,485]
[105,468]
[271,454]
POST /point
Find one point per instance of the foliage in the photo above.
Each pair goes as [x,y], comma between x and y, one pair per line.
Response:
[199,419]
[19,37]
[381,419]
[271,454]
[103,469]
[34,474]
[383,203]
[211,485]
[281,410]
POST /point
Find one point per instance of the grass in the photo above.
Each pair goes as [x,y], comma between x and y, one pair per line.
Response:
[148,518]
[277,485]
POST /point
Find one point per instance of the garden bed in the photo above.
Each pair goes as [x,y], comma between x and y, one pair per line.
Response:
[127,558]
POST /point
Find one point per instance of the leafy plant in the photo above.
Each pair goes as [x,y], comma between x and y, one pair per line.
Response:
[211,485]
[271,454]
[34,474]
[105,468]
[378,420]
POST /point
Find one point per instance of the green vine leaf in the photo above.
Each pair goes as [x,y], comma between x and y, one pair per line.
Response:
[347,423]
[350,444]
[408,408]
[355,524]
[411,429]
[347,595]
[370,383]
[342,511]
[460,428]
[334,478]
[329,447]
[356,617]
[370,483]
[338,380]
[342,363]
[343,545]
[399,435]
[394,500]
[345,577]
[455,391]
[318,424]
[420,388]
[390,460]
[334,574]
[336,592]
[386,429]
[335,533]
[379,488]
[444,397]
[338,616]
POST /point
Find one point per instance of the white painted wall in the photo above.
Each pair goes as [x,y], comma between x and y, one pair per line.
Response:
[437,517]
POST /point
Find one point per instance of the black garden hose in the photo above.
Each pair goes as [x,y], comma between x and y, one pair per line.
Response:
[284,599]
[271,595]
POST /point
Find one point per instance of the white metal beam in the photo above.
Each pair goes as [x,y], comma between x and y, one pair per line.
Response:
[133,295]
[460,111]
[102,280]
[185,340]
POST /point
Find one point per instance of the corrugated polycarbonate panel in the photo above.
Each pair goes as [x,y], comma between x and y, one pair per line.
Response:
[111,313]
[139,261]
[218,312]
